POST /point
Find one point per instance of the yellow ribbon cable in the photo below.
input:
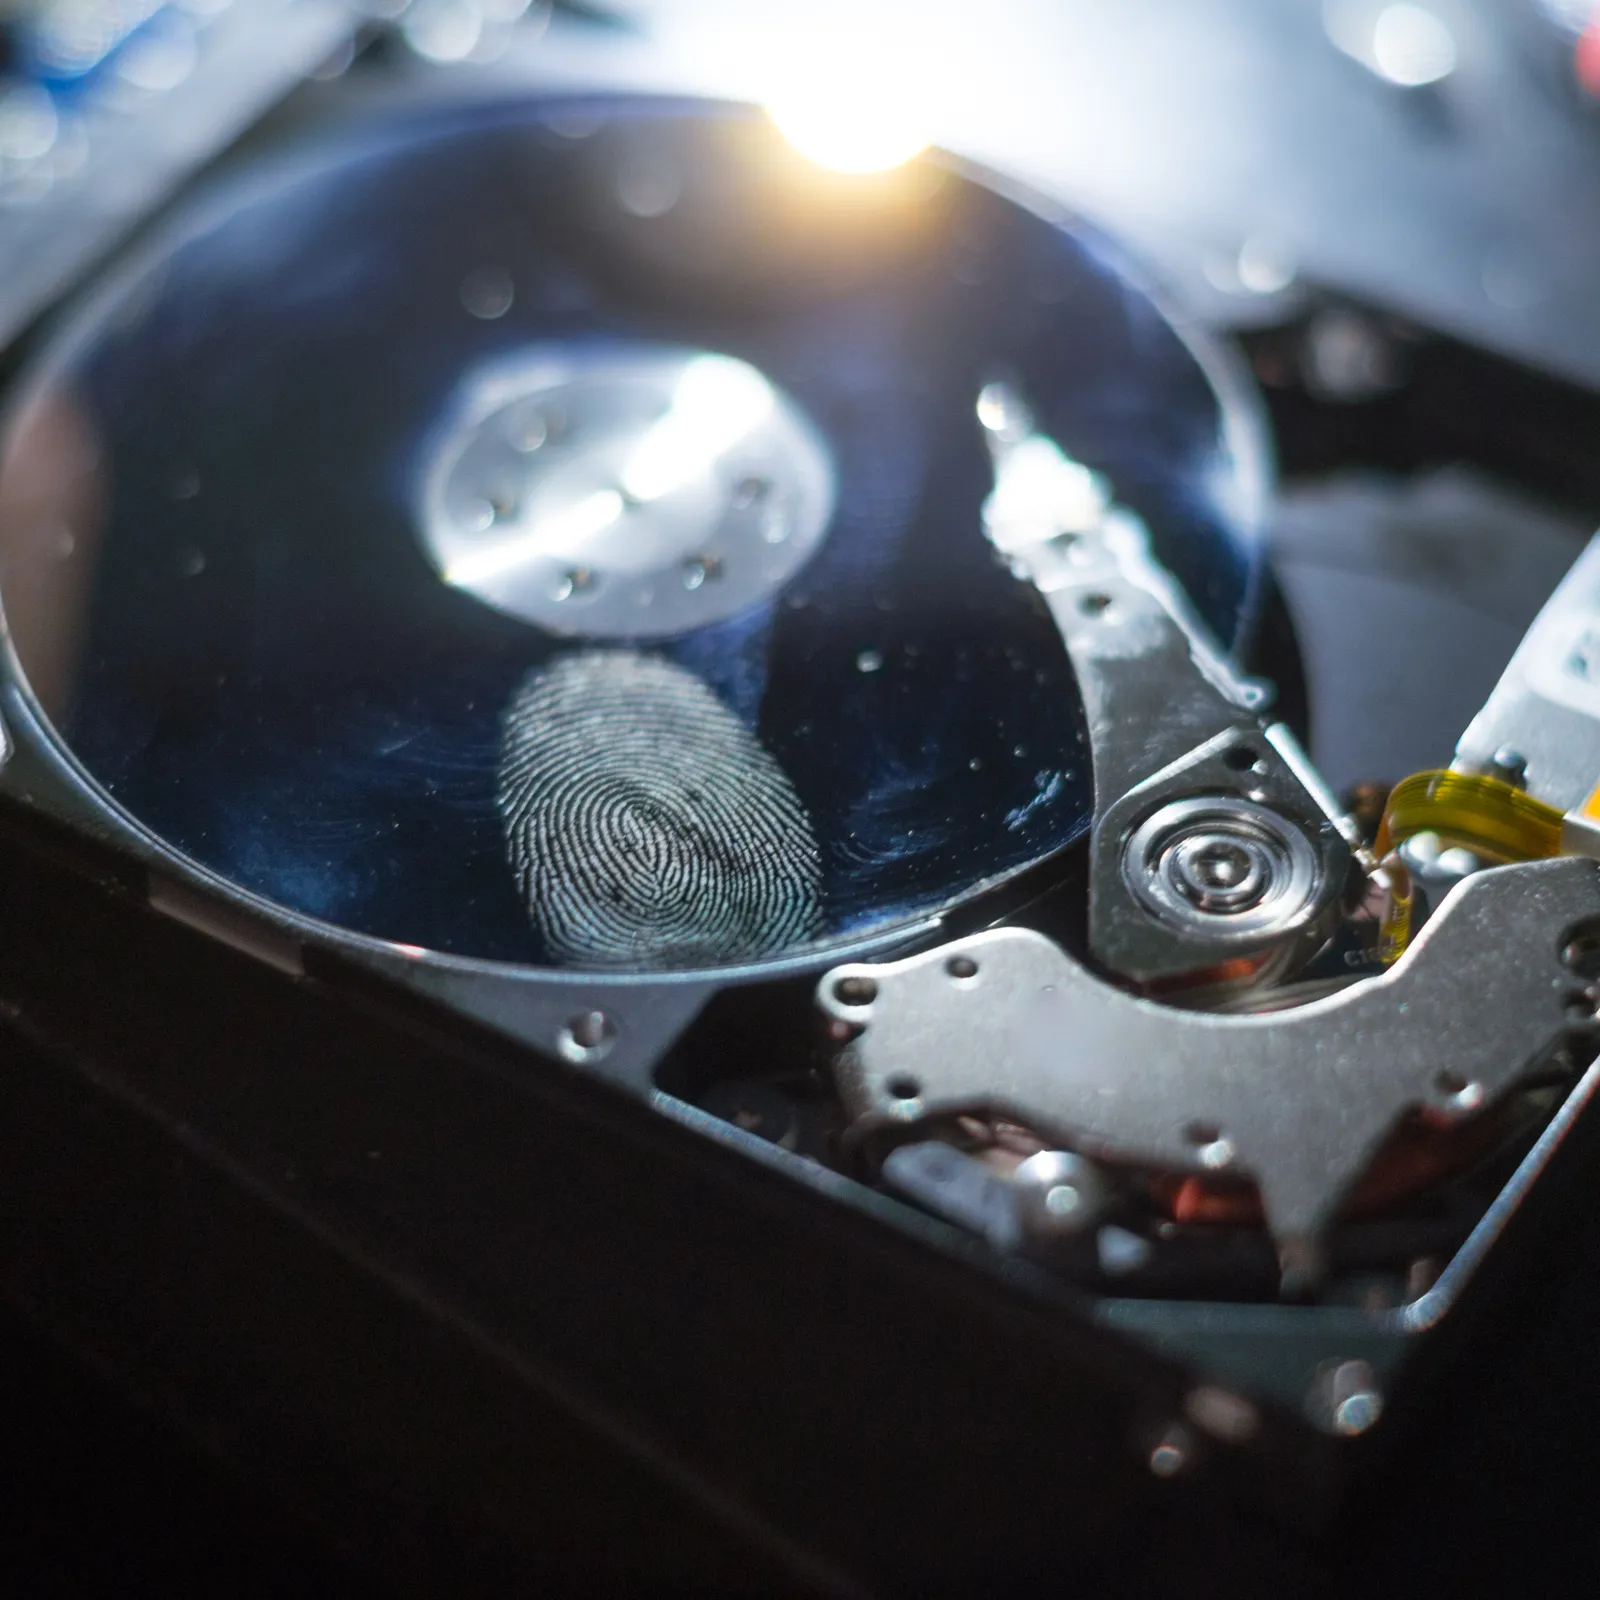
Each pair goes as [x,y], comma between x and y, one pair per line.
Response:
[1487,816]
[1399,899]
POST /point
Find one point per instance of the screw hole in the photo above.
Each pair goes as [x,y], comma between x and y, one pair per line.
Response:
[961,967]
[904,1087]
[1202,1133]
[1463,1093]
[1094,605]
[587,1036]
[855,991]
[1241,757]
[1578,1005]
[1580,949]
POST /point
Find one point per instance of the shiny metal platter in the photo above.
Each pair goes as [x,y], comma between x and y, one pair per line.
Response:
[313,506]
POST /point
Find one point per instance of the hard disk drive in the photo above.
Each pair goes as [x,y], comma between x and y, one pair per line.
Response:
[662,842]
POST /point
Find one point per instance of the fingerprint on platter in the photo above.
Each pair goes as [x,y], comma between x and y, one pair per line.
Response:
[646,825]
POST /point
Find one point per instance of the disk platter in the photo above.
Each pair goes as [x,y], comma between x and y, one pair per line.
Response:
[551,533]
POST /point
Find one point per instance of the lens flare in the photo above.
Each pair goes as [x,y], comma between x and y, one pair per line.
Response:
[854,103]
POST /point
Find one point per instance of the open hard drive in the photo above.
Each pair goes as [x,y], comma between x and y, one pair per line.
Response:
[674,797]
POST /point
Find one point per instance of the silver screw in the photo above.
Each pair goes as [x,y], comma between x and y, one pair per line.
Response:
[1058,1193]
[576,580]
[855,991]
[587,1036]
[1458,861]
[1344,1398]
[1509,765]
[528,432]
[1358,1413]
[698,570]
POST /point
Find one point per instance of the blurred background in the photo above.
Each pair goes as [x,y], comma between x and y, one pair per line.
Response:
[1391,208]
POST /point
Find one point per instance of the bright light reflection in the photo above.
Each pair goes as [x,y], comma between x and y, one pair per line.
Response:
[1038,490]
[591,515]
[717,401]
[851,103]
[1412,47]
[847,138]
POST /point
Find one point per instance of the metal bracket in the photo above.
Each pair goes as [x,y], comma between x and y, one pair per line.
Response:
[1544,710]
[1168,716]
[1297,1100]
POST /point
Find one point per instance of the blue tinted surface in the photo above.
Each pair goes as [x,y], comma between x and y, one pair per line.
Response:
[313,714]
